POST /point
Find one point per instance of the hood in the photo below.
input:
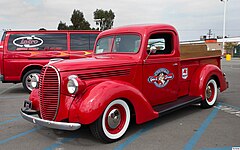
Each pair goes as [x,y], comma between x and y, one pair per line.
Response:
[94,62]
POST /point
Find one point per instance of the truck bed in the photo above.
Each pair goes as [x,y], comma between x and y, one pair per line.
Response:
[195,51]
[192,56]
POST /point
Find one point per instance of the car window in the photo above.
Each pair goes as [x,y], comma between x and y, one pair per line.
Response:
[160,43]
[125,43]
[104,45]
[92,40]
[82,41]
[3,36]
[37,42]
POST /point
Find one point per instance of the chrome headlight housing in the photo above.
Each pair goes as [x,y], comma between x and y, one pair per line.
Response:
[72,84]
[35,81]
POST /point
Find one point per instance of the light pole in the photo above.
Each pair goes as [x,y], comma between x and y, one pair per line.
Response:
[99,22]
[224,24]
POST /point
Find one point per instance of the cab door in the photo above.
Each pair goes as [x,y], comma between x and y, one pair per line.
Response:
[160,68]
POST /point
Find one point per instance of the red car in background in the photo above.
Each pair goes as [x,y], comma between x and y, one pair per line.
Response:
[24,53]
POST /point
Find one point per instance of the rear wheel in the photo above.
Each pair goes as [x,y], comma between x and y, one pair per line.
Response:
[211,92]
[27,79]
[113,123]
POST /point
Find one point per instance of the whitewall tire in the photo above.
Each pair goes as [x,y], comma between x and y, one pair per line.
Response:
[113,123]
[211,93]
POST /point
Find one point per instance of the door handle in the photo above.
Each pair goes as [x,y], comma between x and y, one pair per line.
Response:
[175,64]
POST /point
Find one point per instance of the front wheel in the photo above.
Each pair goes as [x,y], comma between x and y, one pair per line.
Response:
[27,79]
[113,123]
[211,92]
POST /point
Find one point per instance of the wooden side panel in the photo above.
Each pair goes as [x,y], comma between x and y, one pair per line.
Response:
[189,51]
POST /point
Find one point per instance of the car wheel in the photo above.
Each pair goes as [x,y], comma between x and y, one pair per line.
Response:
[27,79]
[113,123]
[211,93]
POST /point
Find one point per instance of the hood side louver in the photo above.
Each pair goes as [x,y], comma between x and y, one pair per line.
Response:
[105,74]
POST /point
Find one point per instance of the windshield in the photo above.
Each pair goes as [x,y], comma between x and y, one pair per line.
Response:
[126,43]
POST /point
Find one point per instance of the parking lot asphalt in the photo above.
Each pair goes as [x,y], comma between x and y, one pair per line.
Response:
[189,128]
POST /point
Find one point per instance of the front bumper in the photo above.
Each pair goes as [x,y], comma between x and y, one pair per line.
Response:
[49,124]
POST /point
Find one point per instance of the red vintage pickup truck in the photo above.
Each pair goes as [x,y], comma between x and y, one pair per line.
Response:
[135,71]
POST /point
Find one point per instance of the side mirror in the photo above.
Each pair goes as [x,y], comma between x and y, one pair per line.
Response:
[153,49]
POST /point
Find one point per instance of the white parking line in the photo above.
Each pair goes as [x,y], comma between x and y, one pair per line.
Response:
[8,89]
[229,109]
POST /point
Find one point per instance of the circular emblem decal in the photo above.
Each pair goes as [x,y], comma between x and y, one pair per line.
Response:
[161,77]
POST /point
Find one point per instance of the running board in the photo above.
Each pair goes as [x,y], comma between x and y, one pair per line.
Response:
[175,105]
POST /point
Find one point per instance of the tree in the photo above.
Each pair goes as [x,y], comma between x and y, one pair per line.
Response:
[104,18]
[229,47]
[62,26]
[42,29]
[78,21]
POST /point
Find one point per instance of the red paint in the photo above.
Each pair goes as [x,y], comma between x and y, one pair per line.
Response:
[127,75]
[34,97]
[15,63]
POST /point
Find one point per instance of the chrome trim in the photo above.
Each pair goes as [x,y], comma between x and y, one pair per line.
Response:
[73,79]
[175,64]
[50,124]
[1,77]
[53,60]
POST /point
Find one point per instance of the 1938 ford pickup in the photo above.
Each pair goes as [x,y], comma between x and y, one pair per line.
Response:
[135,71]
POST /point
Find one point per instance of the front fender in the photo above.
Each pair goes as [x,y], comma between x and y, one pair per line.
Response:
[201,77]
[89,107]
[34,98]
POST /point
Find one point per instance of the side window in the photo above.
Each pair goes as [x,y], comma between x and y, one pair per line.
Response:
[92,40]
[82,41]
[50,41]
[160,43]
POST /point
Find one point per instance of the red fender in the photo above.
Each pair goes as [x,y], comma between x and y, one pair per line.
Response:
[34,98]
[89,107]
[201,77]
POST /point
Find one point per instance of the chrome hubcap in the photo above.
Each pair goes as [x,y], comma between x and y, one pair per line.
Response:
[208,92]
[114,118]
[29,80]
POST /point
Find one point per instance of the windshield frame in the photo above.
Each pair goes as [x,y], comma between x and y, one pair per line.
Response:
[113,41]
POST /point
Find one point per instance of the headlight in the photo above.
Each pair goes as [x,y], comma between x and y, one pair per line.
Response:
[72,85]
[35,81]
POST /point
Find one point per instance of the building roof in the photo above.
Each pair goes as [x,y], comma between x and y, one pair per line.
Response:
[230,39]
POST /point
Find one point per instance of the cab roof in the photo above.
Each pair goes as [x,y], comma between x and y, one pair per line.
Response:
[139,28]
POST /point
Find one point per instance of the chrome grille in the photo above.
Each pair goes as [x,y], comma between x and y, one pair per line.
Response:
[49,92]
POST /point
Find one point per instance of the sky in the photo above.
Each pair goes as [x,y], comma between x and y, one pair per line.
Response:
[192,18]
